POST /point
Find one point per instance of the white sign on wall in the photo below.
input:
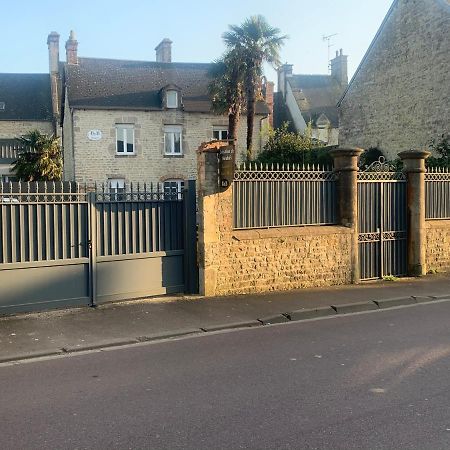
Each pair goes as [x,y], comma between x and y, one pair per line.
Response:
[94,135]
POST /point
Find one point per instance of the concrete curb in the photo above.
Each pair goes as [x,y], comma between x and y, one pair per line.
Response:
[304,314]
[391,302]
[232,326]
[348,308]
[426,299]
[294,316]
[30,356]
[277,318]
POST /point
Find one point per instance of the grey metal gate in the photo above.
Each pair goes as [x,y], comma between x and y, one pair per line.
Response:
[63,246]
[382,221]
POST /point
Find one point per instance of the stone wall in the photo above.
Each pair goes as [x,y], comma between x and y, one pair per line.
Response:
[10,129]
[398,98]
[96,161]
[438,245]
[250,261]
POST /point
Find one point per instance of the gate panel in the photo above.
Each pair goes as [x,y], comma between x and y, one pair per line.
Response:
[141,243]
[44,259]
[382,222]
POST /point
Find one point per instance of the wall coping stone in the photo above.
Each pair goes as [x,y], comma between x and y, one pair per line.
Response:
[280,232]
[437,223]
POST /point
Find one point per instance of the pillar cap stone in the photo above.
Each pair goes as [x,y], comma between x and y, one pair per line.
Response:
[352,151]
[414,154]
[212,146]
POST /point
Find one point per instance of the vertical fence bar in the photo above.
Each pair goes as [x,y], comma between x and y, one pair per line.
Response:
[92,246]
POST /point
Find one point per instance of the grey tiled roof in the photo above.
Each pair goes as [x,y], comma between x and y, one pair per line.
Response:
[317,94]
[136,85]
[26,96]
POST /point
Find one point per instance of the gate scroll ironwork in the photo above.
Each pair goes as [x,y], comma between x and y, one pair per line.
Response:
[382,221]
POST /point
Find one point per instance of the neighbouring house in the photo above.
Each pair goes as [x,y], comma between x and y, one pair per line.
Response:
[25,105]
[312,99]
[137,121]
[398,98]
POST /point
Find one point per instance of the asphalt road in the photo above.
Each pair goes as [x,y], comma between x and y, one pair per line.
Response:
[368,381]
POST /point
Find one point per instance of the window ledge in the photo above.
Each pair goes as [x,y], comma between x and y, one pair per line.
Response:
[173,156]
[129,155]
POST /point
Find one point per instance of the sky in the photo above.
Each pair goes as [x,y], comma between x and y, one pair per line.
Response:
[131,30]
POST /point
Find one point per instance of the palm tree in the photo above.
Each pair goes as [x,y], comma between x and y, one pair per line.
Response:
[257,42]
[40,159]
[227,89]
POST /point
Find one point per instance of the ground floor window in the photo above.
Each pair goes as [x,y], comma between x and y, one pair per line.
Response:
[174,188]
[116,188]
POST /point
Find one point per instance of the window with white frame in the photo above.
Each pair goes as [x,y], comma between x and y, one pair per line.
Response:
[172,99]
[172,140]
[125,139]
[174,188]
[116,188]
[220,133]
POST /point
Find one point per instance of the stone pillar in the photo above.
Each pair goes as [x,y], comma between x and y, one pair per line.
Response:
[215,215]
[346,167]
[414,167]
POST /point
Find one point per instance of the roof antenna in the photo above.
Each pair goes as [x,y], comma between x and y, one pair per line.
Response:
[328,39]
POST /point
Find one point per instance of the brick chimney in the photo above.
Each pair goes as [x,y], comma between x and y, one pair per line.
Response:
[53,59]
[267,91]
[72,49]
[339,68]
[164,51]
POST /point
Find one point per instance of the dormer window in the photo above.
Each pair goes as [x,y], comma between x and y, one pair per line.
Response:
[171,99]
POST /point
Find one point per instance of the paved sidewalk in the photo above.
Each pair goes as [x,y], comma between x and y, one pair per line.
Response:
[53,332]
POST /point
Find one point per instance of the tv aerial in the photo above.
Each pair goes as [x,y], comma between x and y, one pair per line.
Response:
[329,44]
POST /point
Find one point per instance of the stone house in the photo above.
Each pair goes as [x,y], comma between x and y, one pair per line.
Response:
[398,98]
[312,99]
[136,121]
[25,105]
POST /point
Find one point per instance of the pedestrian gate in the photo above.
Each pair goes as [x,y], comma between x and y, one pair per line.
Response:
[382,221]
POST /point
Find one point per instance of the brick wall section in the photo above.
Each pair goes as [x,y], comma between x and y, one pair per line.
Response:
[438,245]
[251,261]
[399,98]
[10,129]
[96,161]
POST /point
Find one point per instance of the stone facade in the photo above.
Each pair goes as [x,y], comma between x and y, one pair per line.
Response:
[10,129]
[438,245]
[279,259]
[97,161]
[398,98]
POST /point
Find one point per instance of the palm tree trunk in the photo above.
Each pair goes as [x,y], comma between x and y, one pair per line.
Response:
[233,127]
[251,100]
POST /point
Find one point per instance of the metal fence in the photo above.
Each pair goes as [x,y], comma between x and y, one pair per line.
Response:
[283,195]
[142,219]
[437,193]
[42,222]
[71,244]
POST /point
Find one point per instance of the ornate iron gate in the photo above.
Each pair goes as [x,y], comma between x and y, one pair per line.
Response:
[382,221]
